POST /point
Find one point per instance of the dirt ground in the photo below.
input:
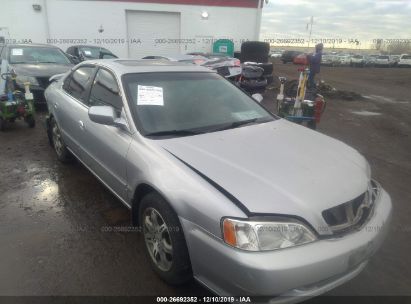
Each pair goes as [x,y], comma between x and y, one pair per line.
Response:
[54,217]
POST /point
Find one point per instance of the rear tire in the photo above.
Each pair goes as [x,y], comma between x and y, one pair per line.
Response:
[63,154]
[164,240]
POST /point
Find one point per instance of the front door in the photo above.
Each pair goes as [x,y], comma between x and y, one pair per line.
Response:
[105,147]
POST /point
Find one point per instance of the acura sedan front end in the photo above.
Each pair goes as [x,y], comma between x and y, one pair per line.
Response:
[225,192]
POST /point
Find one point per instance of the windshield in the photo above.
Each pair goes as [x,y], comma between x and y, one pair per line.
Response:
[94,52]
[383,57]
[196,102]
[37,55]
[406,57]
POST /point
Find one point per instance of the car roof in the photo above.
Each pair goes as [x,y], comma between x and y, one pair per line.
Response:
[127,66]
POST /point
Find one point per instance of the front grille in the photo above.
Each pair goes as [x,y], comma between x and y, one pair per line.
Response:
[351,215]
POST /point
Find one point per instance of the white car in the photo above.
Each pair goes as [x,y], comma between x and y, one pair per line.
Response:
[394,59]
[405,60]
[357,60]
[382,61]
[370,60]
[344,59]
[329,59]
[276,54]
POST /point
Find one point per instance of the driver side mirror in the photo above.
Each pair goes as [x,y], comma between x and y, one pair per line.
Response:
[106,115]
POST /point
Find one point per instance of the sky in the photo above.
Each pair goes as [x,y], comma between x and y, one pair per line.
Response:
[362,20]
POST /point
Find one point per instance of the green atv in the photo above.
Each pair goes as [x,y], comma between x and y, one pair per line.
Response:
[16,104]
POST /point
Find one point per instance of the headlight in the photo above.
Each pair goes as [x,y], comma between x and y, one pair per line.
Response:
[261,235]
[21,79]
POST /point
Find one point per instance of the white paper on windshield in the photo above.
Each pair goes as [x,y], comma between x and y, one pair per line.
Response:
[17,52]
[150,96]
[87,52]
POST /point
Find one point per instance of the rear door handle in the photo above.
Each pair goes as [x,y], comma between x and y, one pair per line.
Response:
[82,126]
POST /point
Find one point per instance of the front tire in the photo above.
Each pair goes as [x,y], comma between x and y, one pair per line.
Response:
[164,240]
[62,152]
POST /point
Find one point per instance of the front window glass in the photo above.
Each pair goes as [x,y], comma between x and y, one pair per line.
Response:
[200,102]
[37,55]
[105,91]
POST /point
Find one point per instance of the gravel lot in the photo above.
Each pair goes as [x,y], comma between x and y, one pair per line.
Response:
[54,217]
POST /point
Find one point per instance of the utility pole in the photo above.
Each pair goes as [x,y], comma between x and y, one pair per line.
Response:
[310,25]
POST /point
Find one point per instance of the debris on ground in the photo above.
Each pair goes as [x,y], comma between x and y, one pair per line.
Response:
[329,91]
[366,113]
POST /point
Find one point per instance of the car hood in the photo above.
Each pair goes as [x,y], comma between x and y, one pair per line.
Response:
[276,167]
[40,69]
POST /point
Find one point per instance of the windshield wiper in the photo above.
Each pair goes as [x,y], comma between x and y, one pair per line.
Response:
[237,124]
[173,132]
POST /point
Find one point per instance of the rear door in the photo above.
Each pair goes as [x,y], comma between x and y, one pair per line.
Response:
[105,147]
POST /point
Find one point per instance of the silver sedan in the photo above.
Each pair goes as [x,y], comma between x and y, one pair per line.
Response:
[225,192]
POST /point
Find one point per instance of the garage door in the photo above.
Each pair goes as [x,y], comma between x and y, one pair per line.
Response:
[152,33]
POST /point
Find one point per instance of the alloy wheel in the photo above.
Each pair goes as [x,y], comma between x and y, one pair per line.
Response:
[57,141]
[157,239]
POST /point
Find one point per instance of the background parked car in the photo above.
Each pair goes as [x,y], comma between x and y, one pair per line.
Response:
[370,60]
[329,59]
[276,54]
[217,59]
[79,53]
[383,61]
[288,56]
[34,63]
[223,65]
[344,59]
[405,61]
[357,60]
[194,59]
[394,59]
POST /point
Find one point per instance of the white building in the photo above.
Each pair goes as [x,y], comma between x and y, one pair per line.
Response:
[131,28]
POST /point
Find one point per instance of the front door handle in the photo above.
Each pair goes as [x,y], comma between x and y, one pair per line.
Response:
[82,126]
